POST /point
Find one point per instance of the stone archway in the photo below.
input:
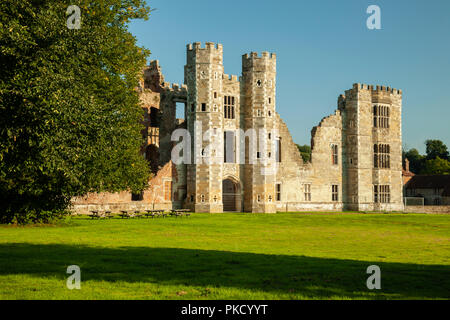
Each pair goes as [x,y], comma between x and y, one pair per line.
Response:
[231,195]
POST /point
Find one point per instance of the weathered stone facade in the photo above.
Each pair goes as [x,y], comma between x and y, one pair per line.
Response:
[243,157]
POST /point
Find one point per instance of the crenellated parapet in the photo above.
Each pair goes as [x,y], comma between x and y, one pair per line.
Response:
[377,88]
[210,53]
[175,90]
[231,78]
[267,61]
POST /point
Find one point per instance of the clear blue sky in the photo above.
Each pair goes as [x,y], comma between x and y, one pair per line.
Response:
[322,48]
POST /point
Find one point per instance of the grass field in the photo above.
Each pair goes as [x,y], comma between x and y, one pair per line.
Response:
[230,256]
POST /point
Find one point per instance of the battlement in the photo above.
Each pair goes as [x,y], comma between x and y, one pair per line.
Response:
[377,88]
[175,87]
[264,55]
[154,64]
[267,61]
[230,77]
[209,46]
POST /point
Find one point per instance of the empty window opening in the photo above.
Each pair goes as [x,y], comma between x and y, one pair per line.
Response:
[155,117]
[229,147]
[203,107]
[278,191]
[180,110]
[137,196]
[278,151]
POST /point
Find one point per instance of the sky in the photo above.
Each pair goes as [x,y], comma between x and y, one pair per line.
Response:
[322,48]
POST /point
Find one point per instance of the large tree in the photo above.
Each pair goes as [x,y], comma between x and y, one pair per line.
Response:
[436,148]
[69,111]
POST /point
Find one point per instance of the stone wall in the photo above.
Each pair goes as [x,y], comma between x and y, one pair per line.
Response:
[157,196]
[428,209]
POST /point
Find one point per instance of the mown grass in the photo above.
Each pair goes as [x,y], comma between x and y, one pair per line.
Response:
[230,256]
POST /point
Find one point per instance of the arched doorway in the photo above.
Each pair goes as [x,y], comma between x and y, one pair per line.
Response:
[231,196]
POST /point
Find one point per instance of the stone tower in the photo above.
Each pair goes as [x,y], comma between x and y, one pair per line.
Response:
[203,76]
[258,105]
[372,148]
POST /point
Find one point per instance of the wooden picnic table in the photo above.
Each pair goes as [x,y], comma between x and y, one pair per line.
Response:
[180,212]
[108,214]
[94,214]
[138,214]
[101,215]
[124,214]
[154,213]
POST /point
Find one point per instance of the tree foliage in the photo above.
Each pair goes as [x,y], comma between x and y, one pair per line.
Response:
[436,160]
[305,151]
[416,160]
[436,148]
[69,111]
[436,166]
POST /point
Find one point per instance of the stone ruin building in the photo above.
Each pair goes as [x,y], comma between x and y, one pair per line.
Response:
[356,161]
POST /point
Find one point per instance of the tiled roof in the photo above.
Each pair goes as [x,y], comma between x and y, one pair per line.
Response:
[430,182]
[407,173]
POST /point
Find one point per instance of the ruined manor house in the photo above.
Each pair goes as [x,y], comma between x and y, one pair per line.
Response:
[242,157]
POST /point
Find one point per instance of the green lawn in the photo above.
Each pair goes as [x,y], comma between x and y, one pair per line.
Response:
[230,256]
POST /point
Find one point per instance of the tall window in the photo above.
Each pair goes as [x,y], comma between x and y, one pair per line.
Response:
[278,153]
[228,107]
[278,191]
[307,191]
[334,154]
[381,116]
[381,193]
[229,147]
[335,192]
[381,156]
[168,190]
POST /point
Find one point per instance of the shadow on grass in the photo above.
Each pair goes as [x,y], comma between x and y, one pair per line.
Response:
[278,274]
